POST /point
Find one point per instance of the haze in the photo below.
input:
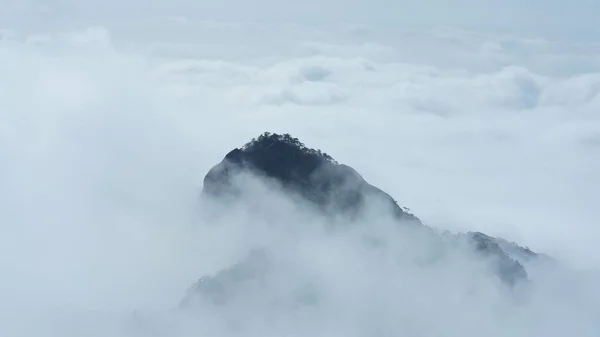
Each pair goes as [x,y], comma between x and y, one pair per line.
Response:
[475,115]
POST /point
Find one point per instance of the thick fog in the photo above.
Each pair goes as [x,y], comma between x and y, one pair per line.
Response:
[111,115]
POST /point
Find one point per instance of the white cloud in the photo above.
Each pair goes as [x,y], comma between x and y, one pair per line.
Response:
[106,134]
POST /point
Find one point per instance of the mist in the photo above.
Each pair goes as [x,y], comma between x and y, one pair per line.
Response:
[111,116]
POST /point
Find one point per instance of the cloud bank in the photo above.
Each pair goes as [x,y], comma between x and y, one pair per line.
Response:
[106,134]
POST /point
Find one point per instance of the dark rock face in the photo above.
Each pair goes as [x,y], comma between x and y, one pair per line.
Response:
[333,189]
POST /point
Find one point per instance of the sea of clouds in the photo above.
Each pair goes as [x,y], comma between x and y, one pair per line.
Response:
[111,116]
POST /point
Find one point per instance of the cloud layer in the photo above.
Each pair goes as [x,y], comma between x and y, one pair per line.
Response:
[106,134]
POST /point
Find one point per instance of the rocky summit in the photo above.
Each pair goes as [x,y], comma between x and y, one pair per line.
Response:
[333,189]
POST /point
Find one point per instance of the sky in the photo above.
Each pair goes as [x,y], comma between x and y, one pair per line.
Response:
[475,115]
[522,15]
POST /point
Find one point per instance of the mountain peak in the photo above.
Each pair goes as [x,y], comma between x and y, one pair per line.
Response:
[310,173]
[333,189]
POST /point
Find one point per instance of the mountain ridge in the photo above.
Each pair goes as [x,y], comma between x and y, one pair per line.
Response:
[333,189]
